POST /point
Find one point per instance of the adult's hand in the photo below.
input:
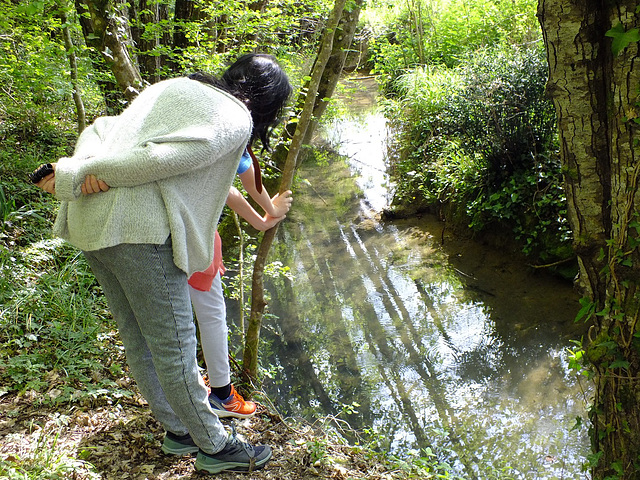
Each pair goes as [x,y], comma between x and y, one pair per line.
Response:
[93,185]
[48,183]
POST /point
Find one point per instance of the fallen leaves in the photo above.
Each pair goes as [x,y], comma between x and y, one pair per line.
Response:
[122,442]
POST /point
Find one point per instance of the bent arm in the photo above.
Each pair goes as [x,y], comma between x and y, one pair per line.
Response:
[172,131]
[239,204]
[277,206]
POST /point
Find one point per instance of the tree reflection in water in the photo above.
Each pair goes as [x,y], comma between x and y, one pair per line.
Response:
[449,346]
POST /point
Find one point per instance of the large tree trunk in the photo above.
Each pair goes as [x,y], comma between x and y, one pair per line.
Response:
[595,94]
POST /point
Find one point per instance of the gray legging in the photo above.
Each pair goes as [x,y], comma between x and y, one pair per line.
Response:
[149,299]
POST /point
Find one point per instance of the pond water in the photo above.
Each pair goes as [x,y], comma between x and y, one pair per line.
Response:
[416,337]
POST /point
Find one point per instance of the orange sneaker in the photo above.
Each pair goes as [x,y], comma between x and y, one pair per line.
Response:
[233,406]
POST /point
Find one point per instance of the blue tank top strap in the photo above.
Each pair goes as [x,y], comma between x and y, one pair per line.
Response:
[245,163]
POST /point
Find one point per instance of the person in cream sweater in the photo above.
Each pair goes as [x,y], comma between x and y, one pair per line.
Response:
[141,196]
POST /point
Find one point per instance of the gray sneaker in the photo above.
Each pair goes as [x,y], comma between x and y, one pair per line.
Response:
[178,444]
[236,456]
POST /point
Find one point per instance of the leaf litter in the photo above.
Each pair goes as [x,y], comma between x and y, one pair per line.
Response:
[100,440]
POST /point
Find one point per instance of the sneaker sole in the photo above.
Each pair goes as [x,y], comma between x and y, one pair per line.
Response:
[222,412]
[230,466]
[227,413]
[178,450]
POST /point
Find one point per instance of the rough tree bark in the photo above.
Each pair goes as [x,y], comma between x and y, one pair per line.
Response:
[596,97]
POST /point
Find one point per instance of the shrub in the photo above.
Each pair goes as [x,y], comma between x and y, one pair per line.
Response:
[481,139]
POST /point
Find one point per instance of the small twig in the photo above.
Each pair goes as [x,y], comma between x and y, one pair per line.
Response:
[307,182]
[559,262]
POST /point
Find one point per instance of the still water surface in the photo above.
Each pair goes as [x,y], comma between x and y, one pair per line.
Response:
[440,342]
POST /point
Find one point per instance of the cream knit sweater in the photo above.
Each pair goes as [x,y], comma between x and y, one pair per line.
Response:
[169,159]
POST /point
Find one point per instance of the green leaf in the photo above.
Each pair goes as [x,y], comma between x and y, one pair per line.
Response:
[620,364]
[588,307]
[622,38]
[33,8]
[609,345]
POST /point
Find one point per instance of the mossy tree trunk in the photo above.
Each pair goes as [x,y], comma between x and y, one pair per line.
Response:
[102,32]
[595,91]
[342,42]
[308,99]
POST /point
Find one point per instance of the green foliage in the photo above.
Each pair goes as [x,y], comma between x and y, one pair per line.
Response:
[46,461]
[622,38]
[431,32]
[53,320]
[317,449]
[425,463]
[25,211]
[54,334]
[533,205]
[51,310]
[224,30]
[36,96]
[481,139]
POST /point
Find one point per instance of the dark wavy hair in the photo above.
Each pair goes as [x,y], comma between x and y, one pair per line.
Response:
[258,81]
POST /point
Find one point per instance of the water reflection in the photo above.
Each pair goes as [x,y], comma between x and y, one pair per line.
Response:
[448,345]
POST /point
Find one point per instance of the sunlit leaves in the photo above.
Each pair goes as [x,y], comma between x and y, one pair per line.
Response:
[34,68]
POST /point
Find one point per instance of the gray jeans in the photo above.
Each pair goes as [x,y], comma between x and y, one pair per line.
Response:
[149,299]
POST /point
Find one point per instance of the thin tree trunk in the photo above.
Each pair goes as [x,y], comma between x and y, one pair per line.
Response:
[112,48]
[335,65]
[73,65]
[258,303]
[596,96]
